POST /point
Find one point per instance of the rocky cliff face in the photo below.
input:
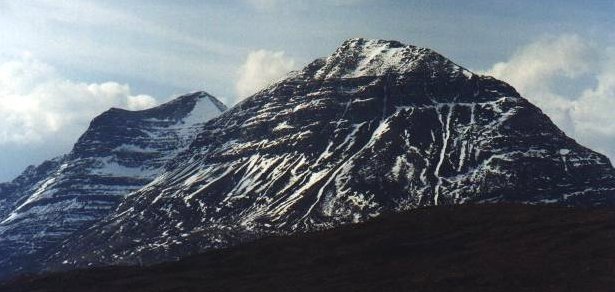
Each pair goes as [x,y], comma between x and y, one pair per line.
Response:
[120,152]
[376,127]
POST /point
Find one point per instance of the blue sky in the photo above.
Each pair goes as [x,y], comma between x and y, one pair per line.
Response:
[63,62]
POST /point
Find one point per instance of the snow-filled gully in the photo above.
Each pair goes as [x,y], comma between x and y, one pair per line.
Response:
[446,134]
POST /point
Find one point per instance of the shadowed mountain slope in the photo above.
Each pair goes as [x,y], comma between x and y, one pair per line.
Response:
[444,248]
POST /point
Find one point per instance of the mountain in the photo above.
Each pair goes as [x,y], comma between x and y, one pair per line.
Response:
[120,152]
[377,127]
[443,248]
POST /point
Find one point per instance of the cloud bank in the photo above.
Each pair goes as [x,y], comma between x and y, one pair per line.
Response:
[261,68]
[543,72]
[37,103]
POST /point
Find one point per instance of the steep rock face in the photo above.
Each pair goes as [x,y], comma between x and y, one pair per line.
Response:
[376,127]
[119,153]
[12,192]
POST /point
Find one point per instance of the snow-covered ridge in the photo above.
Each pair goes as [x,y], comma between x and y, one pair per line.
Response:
[119,153]
[360,57]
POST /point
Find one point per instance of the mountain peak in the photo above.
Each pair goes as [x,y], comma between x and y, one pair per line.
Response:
[190,100]
[362,42]
[185,111]
[360,57]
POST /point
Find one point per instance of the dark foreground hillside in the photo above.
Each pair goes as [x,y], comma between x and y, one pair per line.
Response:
[471,248]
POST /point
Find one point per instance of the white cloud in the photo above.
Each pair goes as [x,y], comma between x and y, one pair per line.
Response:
[37,103]
[140,101]
[534,66]
[144,45]
[261,68]
[539,69]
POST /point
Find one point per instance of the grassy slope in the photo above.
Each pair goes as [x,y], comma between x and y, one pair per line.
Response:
[472,248]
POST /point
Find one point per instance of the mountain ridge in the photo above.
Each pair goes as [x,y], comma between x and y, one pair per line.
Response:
[374,128]
[120,152]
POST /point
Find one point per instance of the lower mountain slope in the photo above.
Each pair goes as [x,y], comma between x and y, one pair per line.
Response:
[120,152]
[376,127]
[443,248]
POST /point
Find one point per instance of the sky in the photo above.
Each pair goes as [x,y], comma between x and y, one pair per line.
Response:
[62,62]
